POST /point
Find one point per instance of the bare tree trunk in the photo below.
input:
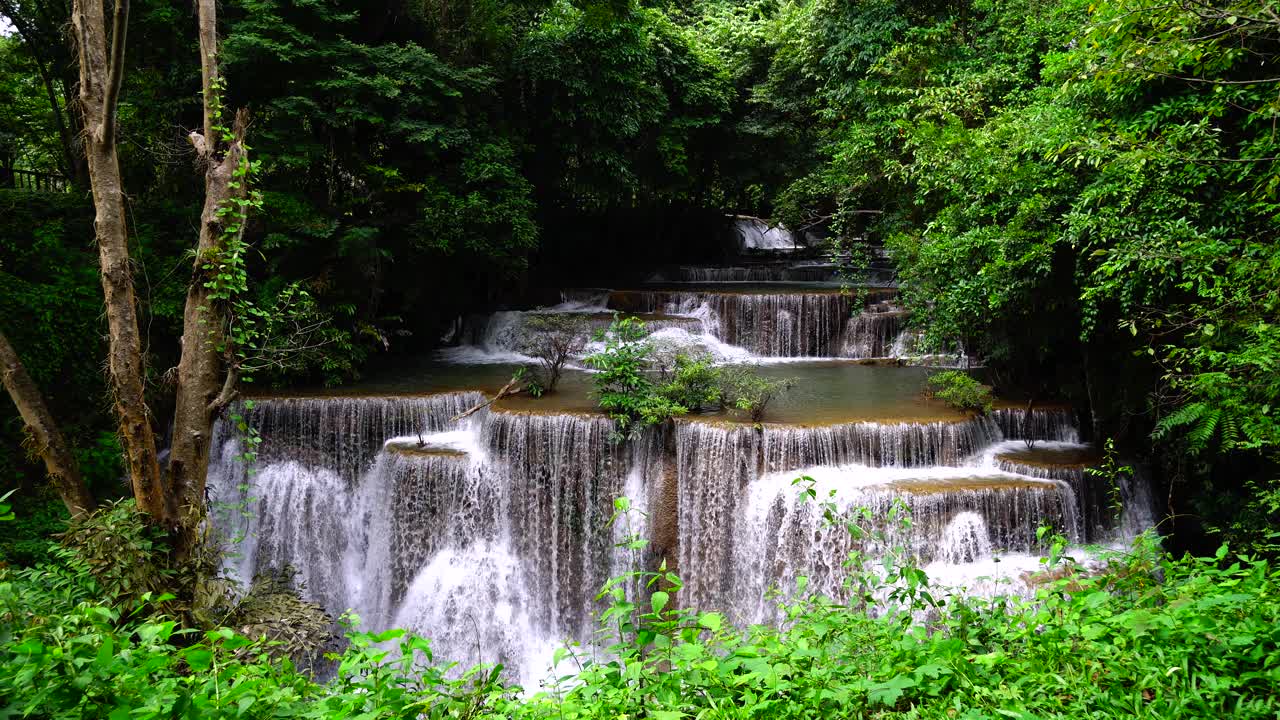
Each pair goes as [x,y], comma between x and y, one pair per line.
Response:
[50,444]
[206,381]
[101,73]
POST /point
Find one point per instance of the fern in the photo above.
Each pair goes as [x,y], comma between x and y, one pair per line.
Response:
[1202,422]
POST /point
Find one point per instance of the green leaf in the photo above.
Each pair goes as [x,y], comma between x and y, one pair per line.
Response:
[198,658]
[888,693]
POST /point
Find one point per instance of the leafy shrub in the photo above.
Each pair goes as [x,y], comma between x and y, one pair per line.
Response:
[694,383]
[624,388]
[745,390]
[628,393]
[559,337]
[960,391]
[125,556]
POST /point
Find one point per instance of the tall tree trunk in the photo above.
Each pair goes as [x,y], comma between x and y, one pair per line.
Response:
[64,471]
[101,72]
[206,381]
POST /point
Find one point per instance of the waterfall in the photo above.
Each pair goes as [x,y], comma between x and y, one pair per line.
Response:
[507,336]
[965,539]
[751,273]
[876,444]
[775,324]
[504,519]
[385,507]
[343,433]
[743,532]
[714,465]
[1108,512]
[1040,423]
[872,334]
[756,234]
[802,323]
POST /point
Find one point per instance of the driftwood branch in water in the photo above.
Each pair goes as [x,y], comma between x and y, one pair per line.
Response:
[508,389]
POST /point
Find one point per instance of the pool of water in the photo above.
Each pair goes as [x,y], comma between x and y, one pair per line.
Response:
[822,392]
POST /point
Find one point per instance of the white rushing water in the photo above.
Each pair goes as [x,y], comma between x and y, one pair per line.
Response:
[756,234]
[730,327]
[491,539]
[492,535]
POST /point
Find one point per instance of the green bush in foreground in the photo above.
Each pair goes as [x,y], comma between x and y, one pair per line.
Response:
[1146,636]
[957,389]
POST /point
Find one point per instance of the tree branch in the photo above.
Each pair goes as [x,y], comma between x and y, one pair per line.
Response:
[230,391]
[50,444]
[115,75]
[208,10]
[508,389]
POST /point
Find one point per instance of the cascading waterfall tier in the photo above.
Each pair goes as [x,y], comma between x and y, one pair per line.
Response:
[563,473]
[342,434]
[787,447]
[755,234]
[937,517]
[770,324]
[1107,504]
[493,537]
[744,526]
[1038,423]
[749,273]
[508,334]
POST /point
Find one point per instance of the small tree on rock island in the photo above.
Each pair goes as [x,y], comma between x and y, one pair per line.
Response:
[557,338]
[224,336]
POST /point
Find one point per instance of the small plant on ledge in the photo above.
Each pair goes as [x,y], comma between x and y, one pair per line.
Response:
[957,389]
[744,390]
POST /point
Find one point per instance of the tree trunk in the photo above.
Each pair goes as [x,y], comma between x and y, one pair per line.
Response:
[100,75]
[50,444]
[206,381]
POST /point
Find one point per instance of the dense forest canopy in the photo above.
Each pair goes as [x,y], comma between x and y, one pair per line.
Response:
[1082,195]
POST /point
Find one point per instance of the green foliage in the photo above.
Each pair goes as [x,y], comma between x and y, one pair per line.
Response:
[745,390]
[50,300]
[624,388]
[694,383]
[1114,642]
[959,390]
[636,391]
[1113,474]
[28,137]
[625,103]
[27,538]
[123,554]
[1140,635]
